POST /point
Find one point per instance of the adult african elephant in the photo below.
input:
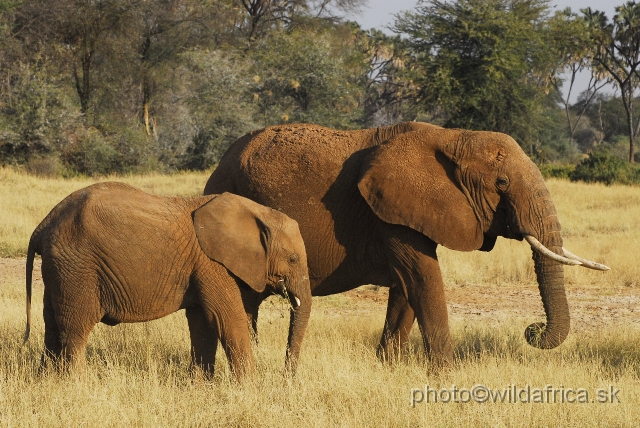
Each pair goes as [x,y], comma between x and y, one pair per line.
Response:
[373,205]
[113,254]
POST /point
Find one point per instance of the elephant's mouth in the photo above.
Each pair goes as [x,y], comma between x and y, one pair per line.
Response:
[295,302]
[282,291]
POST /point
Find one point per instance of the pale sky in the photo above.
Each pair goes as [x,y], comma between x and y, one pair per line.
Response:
[380,14]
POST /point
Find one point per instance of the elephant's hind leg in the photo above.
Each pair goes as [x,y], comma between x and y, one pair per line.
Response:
[76,315]
[52,345]
[397,326]
[74,334]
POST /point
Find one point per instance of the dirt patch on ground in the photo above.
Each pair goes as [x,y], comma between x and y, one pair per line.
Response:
[13,270]
[591,307]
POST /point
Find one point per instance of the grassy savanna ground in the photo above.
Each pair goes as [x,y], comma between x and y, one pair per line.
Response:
[137,373]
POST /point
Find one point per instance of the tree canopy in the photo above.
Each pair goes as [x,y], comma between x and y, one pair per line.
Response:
[617,53]
[95,87]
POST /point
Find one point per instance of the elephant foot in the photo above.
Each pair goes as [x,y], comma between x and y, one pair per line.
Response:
[439,364]
[389,351]
[49,363]
[201,373]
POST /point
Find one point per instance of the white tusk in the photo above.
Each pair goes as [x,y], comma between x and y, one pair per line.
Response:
[586,263]
[298,303]
[537,245]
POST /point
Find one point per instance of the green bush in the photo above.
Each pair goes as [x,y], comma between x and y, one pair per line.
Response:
[46,166]
[556,171]
[93,152]
[607,168]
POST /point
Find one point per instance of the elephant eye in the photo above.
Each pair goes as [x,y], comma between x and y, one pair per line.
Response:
[293,258]
[502,183]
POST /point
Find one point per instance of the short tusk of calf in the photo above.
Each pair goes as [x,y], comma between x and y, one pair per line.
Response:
[297,303]
[537,246]
[586,263]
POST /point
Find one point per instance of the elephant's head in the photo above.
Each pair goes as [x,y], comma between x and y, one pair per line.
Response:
[462,189]
[264,248]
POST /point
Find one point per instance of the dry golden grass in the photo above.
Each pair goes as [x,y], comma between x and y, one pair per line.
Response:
[25,199]
[138,373]
[137,376]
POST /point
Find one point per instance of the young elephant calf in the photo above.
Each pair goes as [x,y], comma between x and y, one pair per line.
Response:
[112,254]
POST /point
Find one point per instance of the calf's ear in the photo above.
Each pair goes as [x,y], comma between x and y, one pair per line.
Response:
[230,233]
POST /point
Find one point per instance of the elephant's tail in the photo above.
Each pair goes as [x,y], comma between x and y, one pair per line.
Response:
[31,253]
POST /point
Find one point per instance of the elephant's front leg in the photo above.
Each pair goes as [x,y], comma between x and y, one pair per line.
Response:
[251,301]
[225,315]
[397,325]
[414,264]
[204,341]
[234,337]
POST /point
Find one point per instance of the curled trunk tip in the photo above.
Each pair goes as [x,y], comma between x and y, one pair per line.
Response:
[537,335]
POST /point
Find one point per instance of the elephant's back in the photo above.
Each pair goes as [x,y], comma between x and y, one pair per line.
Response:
[306,156]
[302,155]
[70,213]
[292,167]
[107,212]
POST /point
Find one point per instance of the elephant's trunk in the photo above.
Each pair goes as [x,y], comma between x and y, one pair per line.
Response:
[550,276]
[298,323]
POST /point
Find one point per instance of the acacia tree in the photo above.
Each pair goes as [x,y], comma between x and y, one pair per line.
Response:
[483,62]
[618,53]
[570,39]
[262,15]
[389,92]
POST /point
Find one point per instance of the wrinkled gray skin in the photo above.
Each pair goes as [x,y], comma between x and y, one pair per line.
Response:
[374,204]
[113,254]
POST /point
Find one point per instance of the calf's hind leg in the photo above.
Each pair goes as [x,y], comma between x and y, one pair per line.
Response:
[69,318]
[52,345]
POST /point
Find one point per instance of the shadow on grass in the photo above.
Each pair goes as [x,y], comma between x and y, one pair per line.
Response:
[612,352]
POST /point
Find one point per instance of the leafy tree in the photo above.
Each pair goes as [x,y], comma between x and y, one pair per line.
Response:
[570,39]
[77,32]
[618,53]
[159,32]
[263,15]
[309,76]
[483,62]
[221,99]
[607,116]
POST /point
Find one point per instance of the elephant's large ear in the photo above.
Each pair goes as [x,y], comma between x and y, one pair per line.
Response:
[410,180]
[230,233]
